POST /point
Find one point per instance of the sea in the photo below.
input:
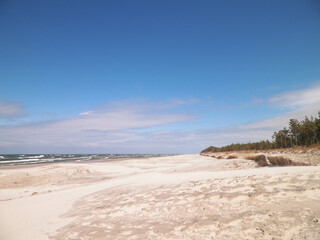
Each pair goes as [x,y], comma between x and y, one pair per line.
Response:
[26,159]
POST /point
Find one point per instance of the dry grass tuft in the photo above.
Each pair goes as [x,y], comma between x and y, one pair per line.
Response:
[261,160]
[232,157]
[282,161]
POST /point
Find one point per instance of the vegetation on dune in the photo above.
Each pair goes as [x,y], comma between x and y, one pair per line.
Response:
[261,160]
[299,133]
[232,157]
[282,161]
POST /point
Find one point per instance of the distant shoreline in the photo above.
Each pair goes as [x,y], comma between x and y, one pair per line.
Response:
[36,159]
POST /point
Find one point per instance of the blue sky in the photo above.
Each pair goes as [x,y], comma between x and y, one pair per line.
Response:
[153,76]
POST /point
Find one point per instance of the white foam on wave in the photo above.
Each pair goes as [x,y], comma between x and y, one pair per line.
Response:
[39,156]
[2,157]
[22,160]
[46,160]
[30,160]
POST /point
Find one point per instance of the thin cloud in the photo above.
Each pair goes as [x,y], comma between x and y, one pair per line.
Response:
[64,138]
[141,104]
[128,127]
[91,129]
[299,98]
[288,100]
[251,132]
[11,110]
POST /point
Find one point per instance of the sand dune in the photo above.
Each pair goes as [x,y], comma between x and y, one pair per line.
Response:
[177,197]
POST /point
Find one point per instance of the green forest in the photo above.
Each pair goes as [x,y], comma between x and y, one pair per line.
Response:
[299,133]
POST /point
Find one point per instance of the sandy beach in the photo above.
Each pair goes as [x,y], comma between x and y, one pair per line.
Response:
[174,197]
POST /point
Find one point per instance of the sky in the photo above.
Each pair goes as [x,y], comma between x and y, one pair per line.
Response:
[154,76]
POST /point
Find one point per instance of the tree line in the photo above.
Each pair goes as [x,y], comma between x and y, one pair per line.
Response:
[299,133]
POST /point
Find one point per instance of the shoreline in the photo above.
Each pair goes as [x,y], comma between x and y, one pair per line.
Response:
[36,159]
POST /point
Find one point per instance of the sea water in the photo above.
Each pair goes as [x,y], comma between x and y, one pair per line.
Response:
[24,159]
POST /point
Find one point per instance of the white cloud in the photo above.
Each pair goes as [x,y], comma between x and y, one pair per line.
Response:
[121,134]
[84,113]
[299,98]
[10,110]
[116,128]
[103,128]
[255,131]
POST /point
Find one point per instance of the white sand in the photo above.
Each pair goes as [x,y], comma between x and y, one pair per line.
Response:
[91,200]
